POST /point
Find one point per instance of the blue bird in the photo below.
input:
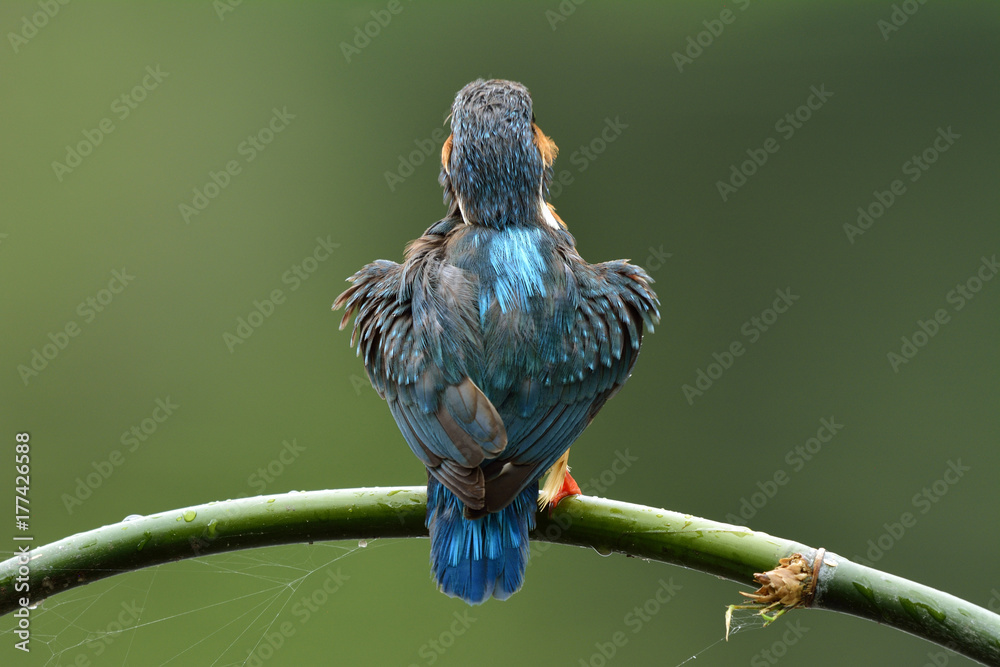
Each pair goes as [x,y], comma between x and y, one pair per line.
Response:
[494,343]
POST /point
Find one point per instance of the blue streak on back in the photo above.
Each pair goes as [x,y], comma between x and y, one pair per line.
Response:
[474,559]
[518,267]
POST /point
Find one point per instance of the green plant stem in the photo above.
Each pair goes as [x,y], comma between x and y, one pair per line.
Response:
[605,525]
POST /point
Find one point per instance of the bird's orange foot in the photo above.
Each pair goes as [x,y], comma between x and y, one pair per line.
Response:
[569,488]
[558,484]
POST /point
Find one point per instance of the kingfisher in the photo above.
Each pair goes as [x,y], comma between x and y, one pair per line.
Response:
[494,343]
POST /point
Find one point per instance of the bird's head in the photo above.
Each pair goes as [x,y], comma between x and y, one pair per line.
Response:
[496,165]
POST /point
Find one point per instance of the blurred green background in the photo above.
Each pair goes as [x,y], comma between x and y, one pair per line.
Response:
[347,129]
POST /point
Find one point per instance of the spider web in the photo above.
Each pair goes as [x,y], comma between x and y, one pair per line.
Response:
[740,620]
[109,622]
[232,608]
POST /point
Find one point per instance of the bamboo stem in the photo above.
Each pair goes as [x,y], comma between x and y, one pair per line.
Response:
[605,525]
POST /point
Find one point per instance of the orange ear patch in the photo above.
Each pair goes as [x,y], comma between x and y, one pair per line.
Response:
[446,153]
[546,146]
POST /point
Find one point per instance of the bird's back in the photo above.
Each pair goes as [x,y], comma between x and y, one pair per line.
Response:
[547,337]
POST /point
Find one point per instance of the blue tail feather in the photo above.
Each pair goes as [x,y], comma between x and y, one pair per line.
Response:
[474,559]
